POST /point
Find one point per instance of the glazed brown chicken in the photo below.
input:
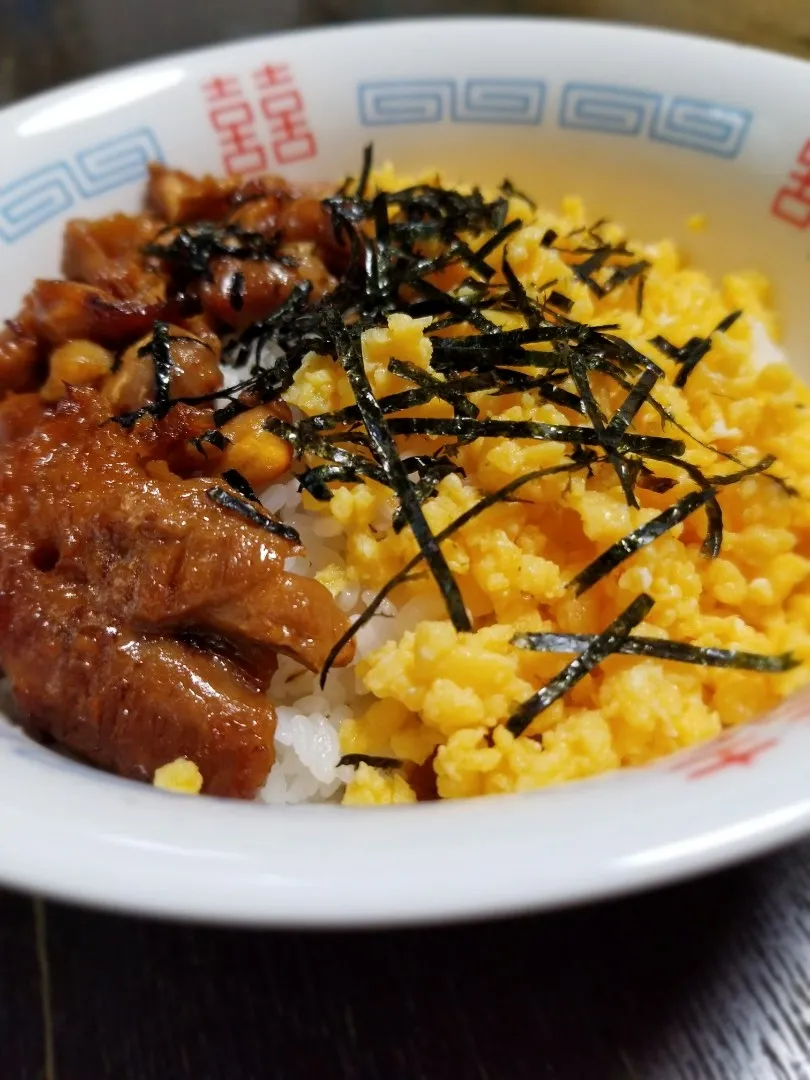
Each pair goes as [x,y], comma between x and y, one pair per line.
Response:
[143,602]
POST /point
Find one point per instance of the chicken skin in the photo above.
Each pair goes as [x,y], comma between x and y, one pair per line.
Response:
[140,619]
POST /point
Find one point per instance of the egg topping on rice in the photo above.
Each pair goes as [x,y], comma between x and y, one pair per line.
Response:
[436,700]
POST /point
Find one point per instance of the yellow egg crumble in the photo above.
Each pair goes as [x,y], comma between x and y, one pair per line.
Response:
[440,698]
[180,775]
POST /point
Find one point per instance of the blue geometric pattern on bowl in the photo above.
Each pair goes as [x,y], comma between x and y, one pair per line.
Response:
[708,126]
[37,197]
[428,101]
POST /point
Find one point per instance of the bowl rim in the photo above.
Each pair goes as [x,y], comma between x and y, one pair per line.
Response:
[780,822]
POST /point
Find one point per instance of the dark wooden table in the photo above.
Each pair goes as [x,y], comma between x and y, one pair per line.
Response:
[705,981]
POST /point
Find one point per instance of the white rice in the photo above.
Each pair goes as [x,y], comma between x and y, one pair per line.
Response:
[307,735]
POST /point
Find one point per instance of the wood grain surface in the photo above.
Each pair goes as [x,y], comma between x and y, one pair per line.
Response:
[705,981]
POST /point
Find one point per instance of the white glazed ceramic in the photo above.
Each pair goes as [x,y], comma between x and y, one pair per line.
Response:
[650,128]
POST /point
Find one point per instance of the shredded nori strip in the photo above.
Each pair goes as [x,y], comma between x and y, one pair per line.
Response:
[228,501]
[713,541]
[365,172]
[498,238]
[598,649]
[385,451]
[159,349]
[374,760]
[639,538]
[625,471]
[240,484]
[236,293]
[509,189]
[489,428]
[518,293]
[189,250]
[461,404]
[640,393]
[215,437]
[558,300]
[661,649]
[690,354]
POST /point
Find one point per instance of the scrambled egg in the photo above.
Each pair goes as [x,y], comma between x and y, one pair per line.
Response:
[441,697]
[180,775]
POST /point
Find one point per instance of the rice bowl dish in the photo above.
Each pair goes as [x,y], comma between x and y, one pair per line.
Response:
[675,137]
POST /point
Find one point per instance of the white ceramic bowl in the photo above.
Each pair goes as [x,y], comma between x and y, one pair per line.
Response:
[649,127]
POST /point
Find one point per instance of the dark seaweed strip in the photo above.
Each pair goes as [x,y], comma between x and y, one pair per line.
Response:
[402,400]
[662,649]
[588,267]
[214,437]
[383,291]
[385,450]
[228,501]
[500,380]
[743,474]
[431,471]
[591,230]
[550,237]
[577,366]
[713,542]
[629,408]
[447,302]
[228,412]
[509,189]
[600,647]
[625,472]
[642,282]
[315,480]
[462,252]
[464,428]
[365,173]
[192,248]
[461,404]
[236,293]
[689,355]
[240,484]
[622,275]
[608,369]
[160,350]
[558,300]
[497,339]
[511,382]
[598,342]
[374,760]
[497,239]
[500,495]
[293,328]
[344,464]
[151,409]
[519,295]
[639,538]
[660,484]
